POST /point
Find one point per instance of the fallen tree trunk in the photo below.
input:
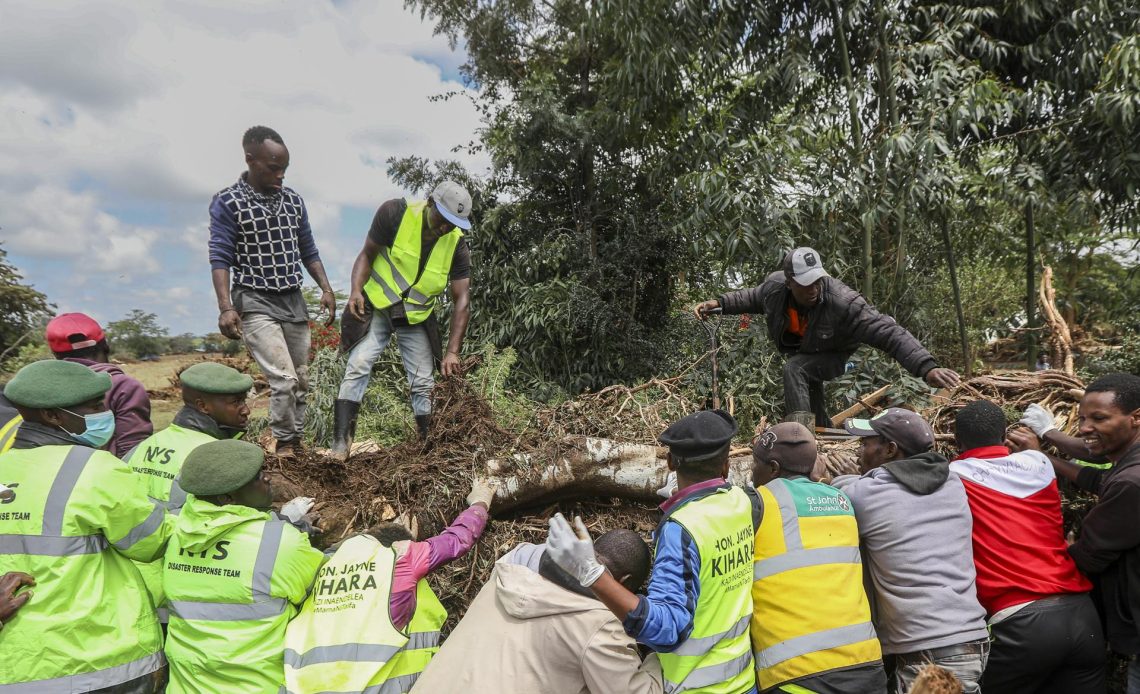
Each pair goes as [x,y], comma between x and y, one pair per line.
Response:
[585,467]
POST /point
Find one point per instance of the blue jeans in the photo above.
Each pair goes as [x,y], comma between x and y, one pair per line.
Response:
[415,350]
[965,661]
[1134,675]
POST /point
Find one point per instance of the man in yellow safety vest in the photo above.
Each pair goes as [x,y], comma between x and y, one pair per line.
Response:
[811,621]
[696,612]
[414,251]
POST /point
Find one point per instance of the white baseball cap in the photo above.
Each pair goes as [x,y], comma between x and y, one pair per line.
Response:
[804,266]
[453,202]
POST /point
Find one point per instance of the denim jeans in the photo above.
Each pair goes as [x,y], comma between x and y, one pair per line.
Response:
[1134,675]
[282,352]
[966,666]
[415,350]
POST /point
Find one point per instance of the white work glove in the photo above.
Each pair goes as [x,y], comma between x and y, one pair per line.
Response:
[295,509]
[670,487]
[574,553]
[482,491]
[1039,419]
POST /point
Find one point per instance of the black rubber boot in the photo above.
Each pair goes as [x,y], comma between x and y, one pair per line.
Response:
[423,423]
[344,428]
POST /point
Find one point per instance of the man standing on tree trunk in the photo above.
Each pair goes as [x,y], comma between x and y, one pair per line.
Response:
[819,322]
[260,229]
[414,250]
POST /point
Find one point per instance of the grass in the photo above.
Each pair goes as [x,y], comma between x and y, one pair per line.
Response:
[156,375]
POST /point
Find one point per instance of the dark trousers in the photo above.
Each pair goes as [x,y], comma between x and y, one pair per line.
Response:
[804,376]
[861,679]
[1053,646]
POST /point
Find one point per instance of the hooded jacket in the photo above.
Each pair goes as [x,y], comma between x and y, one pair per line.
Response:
[840,322]
[234,577]
[524,634]
[923,592]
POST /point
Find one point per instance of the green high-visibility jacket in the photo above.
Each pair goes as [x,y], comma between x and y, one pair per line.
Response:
[79,516]
[233,577]
[717,656]
[344,639]
[158,459]
[8,432]
[394,271]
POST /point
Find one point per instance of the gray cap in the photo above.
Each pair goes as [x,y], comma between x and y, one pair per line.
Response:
[909,431]
[453,202]
[804,266]
[790,443]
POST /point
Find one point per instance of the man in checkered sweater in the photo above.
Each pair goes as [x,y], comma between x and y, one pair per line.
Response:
[259,230]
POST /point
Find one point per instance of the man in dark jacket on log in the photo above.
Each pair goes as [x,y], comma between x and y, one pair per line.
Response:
[819,322]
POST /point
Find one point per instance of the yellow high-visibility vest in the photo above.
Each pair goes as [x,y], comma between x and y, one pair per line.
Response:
[8,433]
[393,279]
[810,612]
[344,640]
[716,659]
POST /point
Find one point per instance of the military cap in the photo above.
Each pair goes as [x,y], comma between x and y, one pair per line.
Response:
[220,467]
[53,383]
[215,378]
[699,436]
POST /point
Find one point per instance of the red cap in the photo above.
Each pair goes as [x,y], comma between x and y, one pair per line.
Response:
[68,332]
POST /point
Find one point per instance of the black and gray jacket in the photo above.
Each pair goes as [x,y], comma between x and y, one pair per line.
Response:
[840,322]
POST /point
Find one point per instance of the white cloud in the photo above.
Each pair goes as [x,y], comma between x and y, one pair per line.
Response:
[119,119]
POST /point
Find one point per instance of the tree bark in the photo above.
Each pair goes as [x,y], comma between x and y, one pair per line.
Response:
[967,361]
[1030,289]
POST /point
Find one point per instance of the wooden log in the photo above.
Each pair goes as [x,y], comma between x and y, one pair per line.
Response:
[867,402]
[1062,336]
[586,467]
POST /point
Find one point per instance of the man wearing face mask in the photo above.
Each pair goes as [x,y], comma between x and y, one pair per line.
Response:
[77,517]
[818,322]
[414,251]
[234,575]
[78,338]
[214,407]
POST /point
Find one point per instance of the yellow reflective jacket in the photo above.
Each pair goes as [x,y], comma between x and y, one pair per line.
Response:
[344,640]
[78,518]
[396,275]
[233,577]
[810,612]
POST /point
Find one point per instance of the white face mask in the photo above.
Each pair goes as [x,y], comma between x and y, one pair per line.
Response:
[99,428]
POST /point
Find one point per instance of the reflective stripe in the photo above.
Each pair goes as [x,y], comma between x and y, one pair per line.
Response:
[343,653]
[417,297]
[396,685]
[803,558]
[392,296]
[810,643]
[8,432]
[401,282]
[421,639]
[704,644]
[266,557]
[227,611]
[48,546]
[711,674]
[788,514]
[177,498]
[90,681]
[61,488]
[143,530]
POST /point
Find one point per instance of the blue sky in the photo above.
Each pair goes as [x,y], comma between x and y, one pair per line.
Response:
[119,120]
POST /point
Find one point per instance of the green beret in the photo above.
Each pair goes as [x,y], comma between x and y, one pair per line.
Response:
[52,383]
[220,467]
[212,377]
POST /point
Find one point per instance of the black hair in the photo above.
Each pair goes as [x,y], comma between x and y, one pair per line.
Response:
[389,533]
[1125,386]
[624,552]
[93,352]
[706,468]
[980,423]
[258,134]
